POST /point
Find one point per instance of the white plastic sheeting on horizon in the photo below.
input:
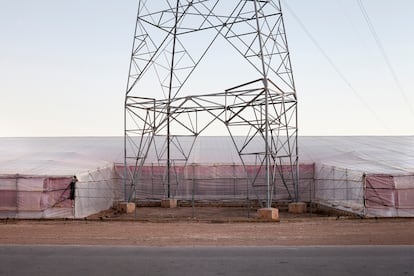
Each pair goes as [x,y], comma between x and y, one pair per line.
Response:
[369,154]
[71,155]
[58,155]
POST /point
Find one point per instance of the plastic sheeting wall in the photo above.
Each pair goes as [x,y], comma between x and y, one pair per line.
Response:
[371,195]
[216,182]
[382,195]
[96,191]
[389,196]
[35,197]
[340,163]
[339,188]
[48,197]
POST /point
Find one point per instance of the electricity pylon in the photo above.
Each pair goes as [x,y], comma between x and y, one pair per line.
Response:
[182,49]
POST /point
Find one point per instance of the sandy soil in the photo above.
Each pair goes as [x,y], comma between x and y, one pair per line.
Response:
[181,228]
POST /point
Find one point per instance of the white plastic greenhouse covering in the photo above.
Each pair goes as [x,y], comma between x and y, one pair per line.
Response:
[35,176]
[369,176]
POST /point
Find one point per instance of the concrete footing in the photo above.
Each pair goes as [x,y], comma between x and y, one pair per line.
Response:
[126,207]
[169,203]
[268,213]
[297,207]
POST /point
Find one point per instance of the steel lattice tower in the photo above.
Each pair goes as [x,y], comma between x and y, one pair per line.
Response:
[166,94]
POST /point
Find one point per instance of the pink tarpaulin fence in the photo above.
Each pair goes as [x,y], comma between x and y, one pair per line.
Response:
[365,194]
[23,196]
[389,195]
[216,182]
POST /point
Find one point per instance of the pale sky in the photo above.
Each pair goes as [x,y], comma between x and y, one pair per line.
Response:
[64,66]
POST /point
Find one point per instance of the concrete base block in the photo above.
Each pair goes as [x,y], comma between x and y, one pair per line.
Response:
[297,207]
[126,207]
[169,203]
[269,213]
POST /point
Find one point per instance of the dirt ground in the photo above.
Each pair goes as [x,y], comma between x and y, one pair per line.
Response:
[208,226]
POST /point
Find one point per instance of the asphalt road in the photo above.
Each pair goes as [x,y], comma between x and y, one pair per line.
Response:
[99,260]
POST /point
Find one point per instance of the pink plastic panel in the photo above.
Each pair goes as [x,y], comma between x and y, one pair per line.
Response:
[379,191]
[405,198]
[8,199]
[36,194]
[56,193]
[29,201]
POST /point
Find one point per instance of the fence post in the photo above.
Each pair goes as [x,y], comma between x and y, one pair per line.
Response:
[364,189]
[334,184]
[193,191]
[234,181]
[17,195]
[347,184]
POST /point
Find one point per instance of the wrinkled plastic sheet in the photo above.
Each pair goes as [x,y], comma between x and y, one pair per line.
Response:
[34,197]
[349,156]
[69,155]
[381,195]
[96,191]
[215,181]
[390,196]
[335,185]
[48,196]
[380,191]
